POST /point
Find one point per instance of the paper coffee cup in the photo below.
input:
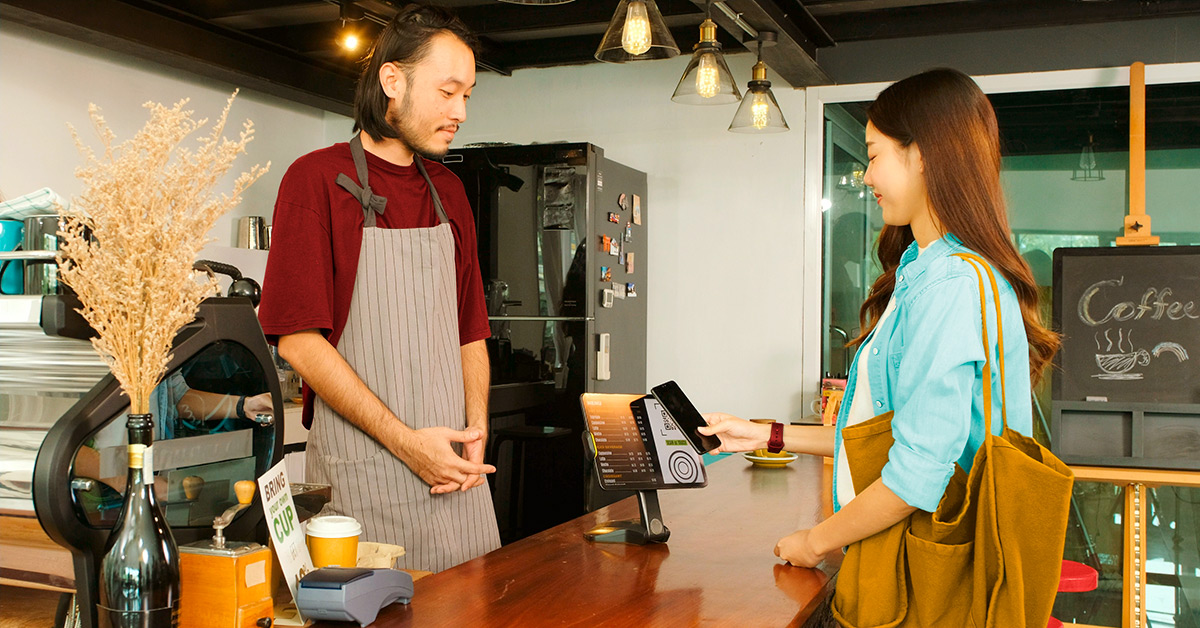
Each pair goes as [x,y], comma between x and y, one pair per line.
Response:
[333,541]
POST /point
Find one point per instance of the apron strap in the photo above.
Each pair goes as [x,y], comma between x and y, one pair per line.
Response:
[371,203]
[437,200]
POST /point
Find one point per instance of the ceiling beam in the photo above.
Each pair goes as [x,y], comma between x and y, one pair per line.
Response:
[147,35]
[542,53]
[499,17]
[838,7]
[793,57]
[971,17]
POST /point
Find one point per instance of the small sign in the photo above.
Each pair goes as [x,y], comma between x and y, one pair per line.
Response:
[284,525]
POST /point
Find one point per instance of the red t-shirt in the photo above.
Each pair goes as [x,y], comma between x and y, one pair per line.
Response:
[316,235]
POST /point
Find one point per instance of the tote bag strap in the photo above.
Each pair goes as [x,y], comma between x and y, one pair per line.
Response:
[976,263]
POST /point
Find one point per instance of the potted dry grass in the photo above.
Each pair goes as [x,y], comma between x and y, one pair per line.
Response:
[127,246]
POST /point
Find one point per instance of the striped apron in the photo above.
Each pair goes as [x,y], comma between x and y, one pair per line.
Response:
[401,338]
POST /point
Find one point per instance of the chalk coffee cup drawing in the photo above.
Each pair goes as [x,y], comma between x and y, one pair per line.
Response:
[333,541]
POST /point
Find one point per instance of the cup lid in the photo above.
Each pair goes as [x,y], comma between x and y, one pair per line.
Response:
[333,527]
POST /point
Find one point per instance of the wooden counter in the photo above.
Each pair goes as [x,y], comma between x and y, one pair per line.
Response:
[718,569]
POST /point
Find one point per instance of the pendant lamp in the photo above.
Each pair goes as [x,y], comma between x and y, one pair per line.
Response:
[1088,169]
[636,32]
[707,80]
[759,111]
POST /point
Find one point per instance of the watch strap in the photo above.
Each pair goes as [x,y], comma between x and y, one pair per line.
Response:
[775,443]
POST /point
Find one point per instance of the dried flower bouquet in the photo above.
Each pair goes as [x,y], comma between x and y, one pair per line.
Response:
[128,242]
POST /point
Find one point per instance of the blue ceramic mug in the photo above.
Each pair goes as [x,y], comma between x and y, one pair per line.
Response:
[12,273]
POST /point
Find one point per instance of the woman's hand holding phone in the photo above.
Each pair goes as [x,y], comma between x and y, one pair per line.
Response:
[736,434]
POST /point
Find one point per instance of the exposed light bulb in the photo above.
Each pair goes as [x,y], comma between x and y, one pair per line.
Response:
[350,42]
[708,76]
[635,37]
[760,109]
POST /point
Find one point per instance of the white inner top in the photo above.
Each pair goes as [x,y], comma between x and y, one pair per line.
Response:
[861,408]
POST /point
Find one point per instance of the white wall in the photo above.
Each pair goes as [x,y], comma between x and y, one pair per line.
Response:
[48,82]
[724,213]
[724,218]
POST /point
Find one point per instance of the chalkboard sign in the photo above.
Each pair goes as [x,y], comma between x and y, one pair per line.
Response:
[1130,320]
[1126,383]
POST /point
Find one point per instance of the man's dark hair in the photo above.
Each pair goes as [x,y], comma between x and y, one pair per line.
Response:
[405,41]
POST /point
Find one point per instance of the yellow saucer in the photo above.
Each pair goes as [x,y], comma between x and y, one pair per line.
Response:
[769,462]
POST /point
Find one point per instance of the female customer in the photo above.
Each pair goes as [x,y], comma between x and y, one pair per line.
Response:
[934,154]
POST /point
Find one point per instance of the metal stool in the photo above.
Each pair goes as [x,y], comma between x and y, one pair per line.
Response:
[520,436]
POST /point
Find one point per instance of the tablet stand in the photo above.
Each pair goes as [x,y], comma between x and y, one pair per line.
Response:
[650,529]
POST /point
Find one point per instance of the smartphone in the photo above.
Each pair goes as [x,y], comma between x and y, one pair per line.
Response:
[685,416]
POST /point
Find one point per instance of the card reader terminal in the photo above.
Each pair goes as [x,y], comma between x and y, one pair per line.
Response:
[351,594]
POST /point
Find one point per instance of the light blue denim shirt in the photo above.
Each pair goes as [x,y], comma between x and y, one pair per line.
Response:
[926,365]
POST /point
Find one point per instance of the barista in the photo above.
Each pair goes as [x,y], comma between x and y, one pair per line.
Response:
[373,293]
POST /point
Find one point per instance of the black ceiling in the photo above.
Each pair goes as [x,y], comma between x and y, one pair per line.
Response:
[290,47]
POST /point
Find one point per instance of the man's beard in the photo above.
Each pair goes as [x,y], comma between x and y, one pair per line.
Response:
[402,123]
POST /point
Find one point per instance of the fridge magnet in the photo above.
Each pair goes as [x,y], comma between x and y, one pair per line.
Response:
[629,232]
[614,217]
[629,290]
[614,246]
[623,202]
[606,297]
[618,290]
[605,243]
[605,273]
[621,258]
[637,209]
[629,263]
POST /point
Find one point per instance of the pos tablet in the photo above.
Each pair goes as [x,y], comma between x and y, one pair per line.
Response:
[637,446]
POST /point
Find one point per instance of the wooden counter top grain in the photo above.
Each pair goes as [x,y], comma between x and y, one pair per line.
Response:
[718,569]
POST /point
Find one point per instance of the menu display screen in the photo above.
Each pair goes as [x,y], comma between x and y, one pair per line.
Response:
[638,446]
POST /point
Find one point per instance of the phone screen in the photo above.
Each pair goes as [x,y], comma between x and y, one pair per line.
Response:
[685,416]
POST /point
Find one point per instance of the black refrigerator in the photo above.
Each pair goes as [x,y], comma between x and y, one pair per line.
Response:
[562,234]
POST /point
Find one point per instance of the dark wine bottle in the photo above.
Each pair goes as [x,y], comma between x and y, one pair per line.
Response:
[139,574]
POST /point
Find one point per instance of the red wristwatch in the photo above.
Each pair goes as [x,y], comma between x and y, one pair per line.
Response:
[775,443]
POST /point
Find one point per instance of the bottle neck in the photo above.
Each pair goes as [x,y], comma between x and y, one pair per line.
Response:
[141,436]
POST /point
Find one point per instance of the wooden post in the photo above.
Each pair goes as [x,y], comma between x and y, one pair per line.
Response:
[1134,576]
[1137,223]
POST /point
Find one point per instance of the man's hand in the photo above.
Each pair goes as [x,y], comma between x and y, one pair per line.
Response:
[429,454]
[473,452]
[796,549]
[258,404]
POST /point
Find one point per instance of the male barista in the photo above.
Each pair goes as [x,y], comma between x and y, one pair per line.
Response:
[373,291]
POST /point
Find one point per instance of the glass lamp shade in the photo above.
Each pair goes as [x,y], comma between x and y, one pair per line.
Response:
[759,111]
[636,32]
[707,80]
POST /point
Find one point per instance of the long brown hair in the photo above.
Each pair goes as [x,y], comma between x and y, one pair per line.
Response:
[952,123]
